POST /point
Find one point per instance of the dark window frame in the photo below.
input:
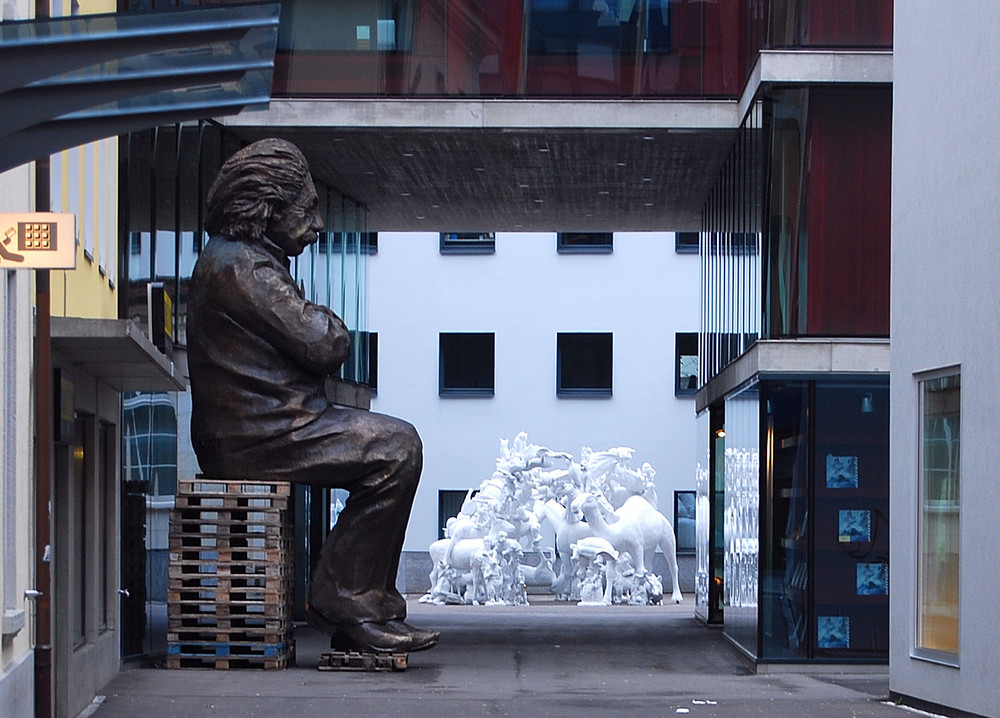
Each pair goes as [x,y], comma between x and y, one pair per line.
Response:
[682,348]
[571,379]
[468,242]
[577,242]
[683,243]
[684,550]
[450,502]
[452,366]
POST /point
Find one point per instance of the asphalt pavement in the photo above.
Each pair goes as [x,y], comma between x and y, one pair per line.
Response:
[548,660]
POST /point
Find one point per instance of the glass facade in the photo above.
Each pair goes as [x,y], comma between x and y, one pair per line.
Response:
[509,48]
[826,242]
[742,515]
[702,517]
[824,530]
[730,252]
[795,236]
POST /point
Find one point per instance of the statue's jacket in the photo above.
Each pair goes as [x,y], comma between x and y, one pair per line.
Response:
[258,356]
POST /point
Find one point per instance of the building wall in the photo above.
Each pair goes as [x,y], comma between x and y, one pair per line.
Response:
[85,182]
[17,544]
[945,214]
[525,293]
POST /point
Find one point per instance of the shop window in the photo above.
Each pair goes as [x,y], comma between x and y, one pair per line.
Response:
[938,514]
[686,242]
[685,363]
[468,242]
[466,364]
[584,364]
[585,242]
[684,521]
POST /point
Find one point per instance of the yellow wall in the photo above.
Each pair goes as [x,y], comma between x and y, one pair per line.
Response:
[85,182]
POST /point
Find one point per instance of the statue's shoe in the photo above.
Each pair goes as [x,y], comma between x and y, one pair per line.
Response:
[367,636]
[422,639]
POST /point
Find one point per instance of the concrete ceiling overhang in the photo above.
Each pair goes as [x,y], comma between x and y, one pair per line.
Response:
[511,165]
[116,352]
[608,164]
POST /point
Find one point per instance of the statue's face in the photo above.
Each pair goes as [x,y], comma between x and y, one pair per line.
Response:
[293,227]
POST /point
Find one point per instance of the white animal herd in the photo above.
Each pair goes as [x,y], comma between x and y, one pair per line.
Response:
[604,516]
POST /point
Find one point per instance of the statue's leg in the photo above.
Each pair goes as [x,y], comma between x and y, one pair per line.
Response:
[355,578]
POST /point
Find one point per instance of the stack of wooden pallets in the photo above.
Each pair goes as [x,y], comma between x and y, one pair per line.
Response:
[229,599]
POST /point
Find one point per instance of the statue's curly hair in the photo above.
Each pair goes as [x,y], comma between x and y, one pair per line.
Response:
[251,183]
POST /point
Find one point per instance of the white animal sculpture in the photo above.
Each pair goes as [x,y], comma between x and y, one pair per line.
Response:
[569,529]
[597,558]
[656,531]
[542,574]
[636,528]
[480,558]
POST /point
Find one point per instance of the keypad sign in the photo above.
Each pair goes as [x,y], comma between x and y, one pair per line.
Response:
[38,240]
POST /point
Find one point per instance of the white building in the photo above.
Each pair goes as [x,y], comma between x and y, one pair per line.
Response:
[525,293]
[945,344]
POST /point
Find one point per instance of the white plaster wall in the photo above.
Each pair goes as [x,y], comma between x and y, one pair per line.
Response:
[525,293]
[16,462]
[945,312]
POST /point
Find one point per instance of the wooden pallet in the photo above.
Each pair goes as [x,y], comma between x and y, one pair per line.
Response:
[278,661]
[355,661]
[231,573]
[179,571]
[233,495]
[281,625]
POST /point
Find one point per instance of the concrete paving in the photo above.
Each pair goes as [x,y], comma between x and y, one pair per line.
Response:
[546,660]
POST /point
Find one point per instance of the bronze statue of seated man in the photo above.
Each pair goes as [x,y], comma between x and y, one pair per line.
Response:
[259,354]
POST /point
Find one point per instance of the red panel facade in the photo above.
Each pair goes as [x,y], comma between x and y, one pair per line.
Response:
[848,216]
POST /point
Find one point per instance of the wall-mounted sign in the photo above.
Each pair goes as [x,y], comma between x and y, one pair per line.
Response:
[38,240]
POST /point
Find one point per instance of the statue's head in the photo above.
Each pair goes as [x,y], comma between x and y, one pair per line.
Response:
[263,190]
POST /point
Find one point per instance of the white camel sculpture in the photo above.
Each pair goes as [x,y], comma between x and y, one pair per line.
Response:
[656,532]
[569,529]
[636,528]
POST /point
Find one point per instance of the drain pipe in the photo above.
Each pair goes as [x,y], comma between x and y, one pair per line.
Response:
[43,493]
[43,449]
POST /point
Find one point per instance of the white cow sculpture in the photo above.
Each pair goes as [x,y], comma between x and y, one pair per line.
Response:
[603,514]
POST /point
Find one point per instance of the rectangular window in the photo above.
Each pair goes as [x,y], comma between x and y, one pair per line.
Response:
[938,555]
[585,242]
[466,364]
[687,242]
[468,242]
[449,505]
[684,521]
[685,363]
[583,364]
